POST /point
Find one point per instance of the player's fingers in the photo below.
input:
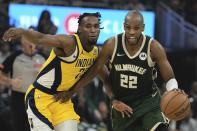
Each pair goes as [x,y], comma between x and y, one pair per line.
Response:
[126,107]
[55,97]
[7,38]
[127,113]
[63,100]
[64,97]
[122,114]
[6,34]
[176,90]
[129,109]
[9,35]
[183,91]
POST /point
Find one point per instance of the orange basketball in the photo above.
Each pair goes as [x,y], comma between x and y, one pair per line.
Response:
[175,105]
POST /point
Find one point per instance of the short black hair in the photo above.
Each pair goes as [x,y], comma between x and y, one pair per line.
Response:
[97,14]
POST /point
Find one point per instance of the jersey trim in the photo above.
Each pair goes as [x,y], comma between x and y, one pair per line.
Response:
[36,112]
[72,57]
[75,54]
[151,63]
[54,64]
[115,48]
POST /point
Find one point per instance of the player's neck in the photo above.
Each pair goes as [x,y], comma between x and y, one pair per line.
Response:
[87,46]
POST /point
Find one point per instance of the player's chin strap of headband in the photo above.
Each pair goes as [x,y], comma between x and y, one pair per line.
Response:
[171,84]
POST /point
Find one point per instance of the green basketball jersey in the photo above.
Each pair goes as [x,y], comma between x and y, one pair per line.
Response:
[132,77]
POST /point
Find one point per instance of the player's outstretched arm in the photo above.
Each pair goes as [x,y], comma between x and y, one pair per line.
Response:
[33,36]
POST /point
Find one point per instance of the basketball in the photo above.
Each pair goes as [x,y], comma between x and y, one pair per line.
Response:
[175,105]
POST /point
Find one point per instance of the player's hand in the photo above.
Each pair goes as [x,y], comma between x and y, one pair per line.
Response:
[181,91]
[64,96]
[122,108]
[178,90]
[13,34]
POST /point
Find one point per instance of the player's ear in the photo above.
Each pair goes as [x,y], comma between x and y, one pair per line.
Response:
[124,25]
[143,26]
[78,31]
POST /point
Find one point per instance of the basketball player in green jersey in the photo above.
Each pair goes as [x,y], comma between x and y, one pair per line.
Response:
[68,61]
[132,57]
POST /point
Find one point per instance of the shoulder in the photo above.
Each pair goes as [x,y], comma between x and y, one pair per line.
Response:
[110,42]
[108,47]
[68,43]
[156,46]
[156,49]
[66,39]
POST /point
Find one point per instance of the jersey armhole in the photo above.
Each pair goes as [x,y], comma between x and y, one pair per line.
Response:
[72,57]
[151,63]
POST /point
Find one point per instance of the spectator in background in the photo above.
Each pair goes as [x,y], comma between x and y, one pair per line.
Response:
[36,1]
[92,106]
[46,26]
[176,5]
[6,81]
[190,13]
[190,123]
[5,117]
[136,4]
[4,51]
[25,64]
[194,99]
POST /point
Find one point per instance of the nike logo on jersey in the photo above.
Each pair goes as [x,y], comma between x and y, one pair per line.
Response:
[153,95]
[118,54]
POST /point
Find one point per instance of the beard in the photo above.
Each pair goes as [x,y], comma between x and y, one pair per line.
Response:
[92,41]
[133,40]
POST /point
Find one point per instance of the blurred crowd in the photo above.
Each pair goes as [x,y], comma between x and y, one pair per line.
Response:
[186,8]
[92,104]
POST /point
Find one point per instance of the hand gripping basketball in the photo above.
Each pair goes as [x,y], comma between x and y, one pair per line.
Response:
[175,105]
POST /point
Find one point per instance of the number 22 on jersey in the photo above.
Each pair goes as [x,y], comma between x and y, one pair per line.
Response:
[128,81]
